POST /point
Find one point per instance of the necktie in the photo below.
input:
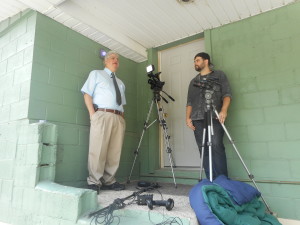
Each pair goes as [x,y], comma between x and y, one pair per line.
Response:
[118,94]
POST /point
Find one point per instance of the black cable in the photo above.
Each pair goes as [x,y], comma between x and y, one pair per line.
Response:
[105,216]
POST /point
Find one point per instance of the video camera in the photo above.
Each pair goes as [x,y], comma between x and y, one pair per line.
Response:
[154,79]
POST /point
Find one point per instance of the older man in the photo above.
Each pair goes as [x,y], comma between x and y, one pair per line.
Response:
[104,96]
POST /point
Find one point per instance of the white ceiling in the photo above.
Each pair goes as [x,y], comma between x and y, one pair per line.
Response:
[130,27]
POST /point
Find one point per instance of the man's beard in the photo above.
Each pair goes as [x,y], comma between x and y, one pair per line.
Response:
[198,68]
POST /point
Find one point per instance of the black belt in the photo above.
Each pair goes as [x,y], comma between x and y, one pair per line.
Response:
[111,111]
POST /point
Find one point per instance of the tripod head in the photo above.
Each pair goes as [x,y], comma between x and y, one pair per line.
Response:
[208,85]
[156,84]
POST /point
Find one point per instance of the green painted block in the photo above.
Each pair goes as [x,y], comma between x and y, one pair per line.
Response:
[48,154]
[30,134]
[60,78]
[68,135]
[6,189]
[25,40]
[33,154]
[3,65]
[9,49]
[49,132]
[248,117]
[292,131]
[267,132]
[40,73]
[25,176]
[275,169]
[283,113]
[82,117]
[23,74]
[28,55]
[4,113]
[6,169]
[45,92]
[261,99]
[14,62]
[284,150]
[37,109]
[12,95]
[61,113]
[19,110]
[25,90]
[6,213]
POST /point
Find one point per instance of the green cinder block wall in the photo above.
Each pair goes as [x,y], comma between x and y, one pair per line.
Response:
[261,55]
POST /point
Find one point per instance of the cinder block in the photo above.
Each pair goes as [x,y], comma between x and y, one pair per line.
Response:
[60,113]
[45,92]
[9,49]
[14,62]
[4,114]
[6,191]
[23,74]
[6,82]
[6,213]
[282,113]
[267,132]
[48,154]
[33,154]
[25,176]
[3,65]
[4,24]
[37,109]
[26,40]
[82,117]
[12,95]
[46,172]
[18,30]
[6,169]
[17,201]
[19,110]
[261,99]
[25,90]
[28,55]
[284,150]
[29,134]
[68,135]
[292,132]
[40,73]
[62,79]
[49,133]
[275,169]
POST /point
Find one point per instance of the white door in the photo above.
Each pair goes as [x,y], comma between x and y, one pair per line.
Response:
[177,70]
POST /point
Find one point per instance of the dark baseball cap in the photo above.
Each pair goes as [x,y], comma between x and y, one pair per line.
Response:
[203,55]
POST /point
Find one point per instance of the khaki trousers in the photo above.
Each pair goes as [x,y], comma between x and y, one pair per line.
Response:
[106,140]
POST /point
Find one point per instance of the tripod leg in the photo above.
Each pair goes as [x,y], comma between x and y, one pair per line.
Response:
[163,123]
[136,152]
[251,176]
[202,153]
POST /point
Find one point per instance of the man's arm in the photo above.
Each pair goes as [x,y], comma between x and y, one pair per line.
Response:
[223,113]
[188,119]
[89,104]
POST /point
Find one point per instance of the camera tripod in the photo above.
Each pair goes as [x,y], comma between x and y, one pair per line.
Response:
[209,110]
[162,121]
